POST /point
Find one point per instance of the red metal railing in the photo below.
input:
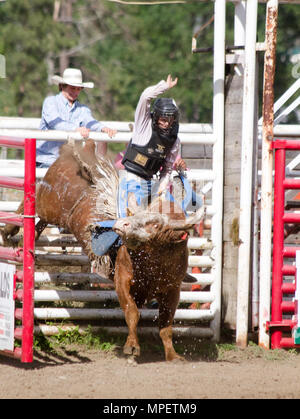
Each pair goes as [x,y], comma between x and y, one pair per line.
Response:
[278,324]
[26,254]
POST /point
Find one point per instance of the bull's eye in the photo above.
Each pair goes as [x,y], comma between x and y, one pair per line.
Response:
[155,226]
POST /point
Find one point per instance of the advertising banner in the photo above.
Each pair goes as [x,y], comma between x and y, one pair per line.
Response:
[7,306]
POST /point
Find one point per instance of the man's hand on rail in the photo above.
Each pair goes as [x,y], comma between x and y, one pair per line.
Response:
[84,132]
[111,132]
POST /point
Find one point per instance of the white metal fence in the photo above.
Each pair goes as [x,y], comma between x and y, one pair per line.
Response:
[188,321]
[209,134]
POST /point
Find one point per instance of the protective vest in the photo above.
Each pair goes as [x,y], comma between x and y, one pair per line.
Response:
[146,160]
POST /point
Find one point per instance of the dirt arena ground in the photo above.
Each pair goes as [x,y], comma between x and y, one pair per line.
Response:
[78,373]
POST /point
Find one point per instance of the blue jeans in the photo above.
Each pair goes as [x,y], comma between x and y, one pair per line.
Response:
[143,190]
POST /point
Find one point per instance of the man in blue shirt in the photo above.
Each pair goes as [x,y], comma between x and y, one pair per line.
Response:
[64,112]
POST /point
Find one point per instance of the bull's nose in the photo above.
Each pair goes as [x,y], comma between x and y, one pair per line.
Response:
[122,225]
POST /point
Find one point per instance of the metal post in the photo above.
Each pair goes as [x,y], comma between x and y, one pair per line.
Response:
[266,175]
[218,158]
[278,243]
[239,22]
[246,175]
[28,255]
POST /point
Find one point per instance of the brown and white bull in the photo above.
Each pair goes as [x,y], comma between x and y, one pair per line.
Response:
[151,264]
[80,189]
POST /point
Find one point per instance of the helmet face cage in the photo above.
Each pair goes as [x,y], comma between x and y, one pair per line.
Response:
[165,108]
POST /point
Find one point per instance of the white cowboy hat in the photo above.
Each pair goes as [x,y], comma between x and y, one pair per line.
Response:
[73,77]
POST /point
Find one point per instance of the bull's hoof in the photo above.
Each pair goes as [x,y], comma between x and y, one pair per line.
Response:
[6,240]
[175,358]
[131,360]
[132,350]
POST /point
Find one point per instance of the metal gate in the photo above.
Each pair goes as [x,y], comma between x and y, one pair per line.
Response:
[24,278]
[283,322]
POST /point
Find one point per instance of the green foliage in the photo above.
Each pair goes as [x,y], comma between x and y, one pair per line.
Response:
[75,336]
[122,49]
[41,343]
[149,43]
[29,37]
[287,44]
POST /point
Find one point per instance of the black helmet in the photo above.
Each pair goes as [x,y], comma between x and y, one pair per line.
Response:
[165,107]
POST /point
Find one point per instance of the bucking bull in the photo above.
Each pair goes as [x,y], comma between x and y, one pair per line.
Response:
[80,189]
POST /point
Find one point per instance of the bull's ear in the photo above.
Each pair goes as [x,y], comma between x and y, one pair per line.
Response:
[189,222]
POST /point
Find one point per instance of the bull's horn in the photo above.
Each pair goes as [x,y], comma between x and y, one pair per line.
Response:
[189,222]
